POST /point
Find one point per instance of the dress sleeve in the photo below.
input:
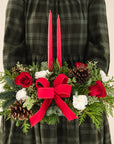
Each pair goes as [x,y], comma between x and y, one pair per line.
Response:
[98,39]
[14,37]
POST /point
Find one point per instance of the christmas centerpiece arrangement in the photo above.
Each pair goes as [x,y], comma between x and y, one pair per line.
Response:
[45,92]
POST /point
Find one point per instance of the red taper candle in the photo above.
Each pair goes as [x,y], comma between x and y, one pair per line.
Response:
[50,43]
[59,51]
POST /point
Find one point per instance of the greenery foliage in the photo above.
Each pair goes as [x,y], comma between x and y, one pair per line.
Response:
[94,109]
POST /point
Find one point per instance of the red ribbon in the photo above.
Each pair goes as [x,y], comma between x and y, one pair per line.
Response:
[59,90]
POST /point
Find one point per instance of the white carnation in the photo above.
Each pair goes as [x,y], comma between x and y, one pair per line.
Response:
[41,74]
[21,94]
[80,102]
[103,76]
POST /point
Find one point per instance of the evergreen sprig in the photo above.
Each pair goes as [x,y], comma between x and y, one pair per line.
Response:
[18,122]
[5,112]
[32,69]
[95,72]
[82,117]
[50,120]
[108,102]
[7,103]
[81,89]
[10,82]
[7,94]
[29,103]
[25,126]
[95,112]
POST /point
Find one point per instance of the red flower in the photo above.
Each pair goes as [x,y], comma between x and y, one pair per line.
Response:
[78,65]
[97,90]
[24,79]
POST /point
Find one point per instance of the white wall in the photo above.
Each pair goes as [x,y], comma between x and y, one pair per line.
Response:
[2,21]
[110,11]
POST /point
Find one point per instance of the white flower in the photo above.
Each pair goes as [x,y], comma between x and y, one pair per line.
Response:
[21,94]
[41,74]
[103,76]
[80,102]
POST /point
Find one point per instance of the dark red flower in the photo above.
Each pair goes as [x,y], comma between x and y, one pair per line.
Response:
[97,90]
[78,65]
[24,79]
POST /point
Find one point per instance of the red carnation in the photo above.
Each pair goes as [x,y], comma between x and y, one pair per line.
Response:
[24,79]
[97,90]
[78,65]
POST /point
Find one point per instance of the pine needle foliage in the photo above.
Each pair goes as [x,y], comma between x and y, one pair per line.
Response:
[7,94]
[10,82]
[7,103]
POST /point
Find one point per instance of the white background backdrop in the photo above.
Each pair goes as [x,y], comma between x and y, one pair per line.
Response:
[110,11]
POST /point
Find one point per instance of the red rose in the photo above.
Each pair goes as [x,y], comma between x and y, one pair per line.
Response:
[24,79]
[97,90]
[78,65]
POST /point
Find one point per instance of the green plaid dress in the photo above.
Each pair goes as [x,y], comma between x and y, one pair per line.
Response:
[84,38]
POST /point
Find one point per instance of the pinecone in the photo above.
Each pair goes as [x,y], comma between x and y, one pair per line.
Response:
[81,74]
[18,112]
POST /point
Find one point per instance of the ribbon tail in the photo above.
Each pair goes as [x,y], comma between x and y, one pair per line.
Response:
[37,117]
[68,113]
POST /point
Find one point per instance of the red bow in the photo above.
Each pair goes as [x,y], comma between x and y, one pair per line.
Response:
[60,89]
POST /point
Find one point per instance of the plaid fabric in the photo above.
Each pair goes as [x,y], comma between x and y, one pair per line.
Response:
[84,37]
[83,26]
[64,133]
